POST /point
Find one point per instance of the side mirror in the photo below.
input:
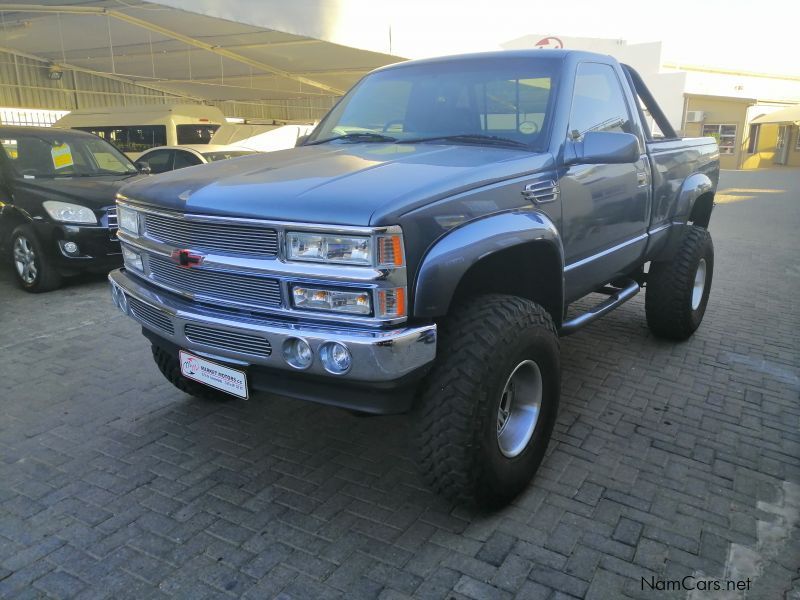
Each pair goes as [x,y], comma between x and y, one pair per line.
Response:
[143,167]
[603,147]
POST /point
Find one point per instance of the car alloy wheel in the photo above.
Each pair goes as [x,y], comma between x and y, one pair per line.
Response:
[25,260]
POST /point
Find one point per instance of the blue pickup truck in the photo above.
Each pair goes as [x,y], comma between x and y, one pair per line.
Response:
[420,250]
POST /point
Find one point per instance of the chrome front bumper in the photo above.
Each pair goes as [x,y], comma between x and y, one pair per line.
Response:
[379,355]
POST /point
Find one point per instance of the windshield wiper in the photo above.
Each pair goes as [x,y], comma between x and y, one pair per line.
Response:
[360,136]
[469,138]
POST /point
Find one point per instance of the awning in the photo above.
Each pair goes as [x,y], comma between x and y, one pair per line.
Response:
[790,114]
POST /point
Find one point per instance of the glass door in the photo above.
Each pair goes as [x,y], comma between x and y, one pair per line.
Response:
[782,145]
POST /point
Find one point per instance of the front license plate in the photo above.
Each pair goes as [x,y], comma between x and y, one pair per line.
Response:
[214,374]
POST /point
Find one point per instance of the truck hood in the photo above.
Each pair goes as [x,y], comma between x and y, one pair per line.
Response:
[93,192]
[336,183]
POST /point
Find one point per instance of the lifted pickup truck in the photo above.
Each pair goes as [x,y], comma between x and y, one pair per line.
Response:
[420,250]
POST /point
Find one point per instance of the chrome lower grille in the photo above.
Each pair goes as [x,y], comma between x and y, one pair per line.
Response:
[150,315]
[228,340]
[204,284]
[223,238]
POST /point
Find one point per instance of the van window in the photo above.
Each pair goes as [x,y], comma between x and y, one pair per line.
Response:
[195,134]
[131,138]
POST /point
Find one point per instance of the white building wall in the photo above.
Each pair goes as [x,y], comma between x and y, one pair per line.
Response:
[667,87]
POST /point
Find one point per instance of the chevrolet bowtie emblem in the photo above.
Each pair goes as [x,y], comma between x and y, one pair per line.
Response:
[187,259]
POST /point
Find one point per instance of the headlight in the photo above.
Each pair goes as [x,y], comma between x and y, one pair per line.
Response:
[128,220]
[133,260]
[313,298]
[69,213]
[321,247]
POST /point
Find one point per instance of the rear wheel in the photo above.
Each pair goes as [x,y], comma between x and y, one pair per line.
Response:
[33,269]
[171,370]
[486,416]
[677,290]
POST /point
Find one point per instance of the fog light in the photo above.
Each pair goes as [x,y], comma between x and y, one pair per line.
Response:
[70,247]
[335,358]
[118,296]
[297,353]
[132,259]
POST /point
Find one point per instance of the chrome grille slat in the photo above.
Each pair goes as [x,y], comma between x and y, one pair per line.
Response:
[228,340]
[213,237]
[222,286]
[151,315]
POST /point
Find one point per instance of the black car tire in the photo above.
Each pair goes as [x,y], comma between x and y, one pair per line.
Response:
[171,370]
[673,303]
[457,419]
[44,277]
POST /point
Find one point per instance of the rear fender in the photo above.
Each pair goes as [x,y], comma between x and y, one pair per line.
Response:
[695,187]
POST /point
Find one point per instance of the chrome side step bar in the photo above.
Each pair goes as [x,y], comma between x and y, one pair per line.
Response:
[616,297]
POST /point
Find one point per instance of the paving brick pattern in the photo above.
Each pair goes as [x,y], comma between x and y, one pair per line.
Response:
[666,459]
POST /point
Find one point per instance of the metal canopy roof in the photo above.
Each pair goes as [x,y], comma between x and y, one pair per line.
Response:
[183,53]
[790,114]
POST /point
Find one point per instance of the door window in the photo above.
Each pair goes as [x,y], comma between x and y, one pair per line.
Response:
[598,103]
[185,159]
[158,160]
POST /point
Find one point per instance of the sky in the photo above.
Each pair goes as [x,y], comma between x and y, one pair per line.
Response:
[732,34]
[741,35]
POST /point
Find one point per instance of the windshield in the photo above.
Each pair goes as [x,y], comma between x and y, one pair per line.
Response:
[225,154]
[475,100]
[53,154]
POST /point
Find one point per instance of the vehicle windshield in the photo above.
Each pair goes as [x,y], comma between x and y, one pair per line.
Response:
[225,154]
[474,101]
[49,154]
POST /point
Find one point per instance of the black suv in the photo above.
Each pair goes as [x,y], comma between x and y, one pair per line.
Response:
[57,214]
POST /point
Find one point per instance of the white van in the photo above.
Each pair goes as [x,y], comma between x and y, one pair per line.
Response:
[134,129]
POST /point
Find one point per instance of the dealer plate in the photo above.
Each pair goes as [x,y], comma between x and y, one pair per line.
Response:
[214,374]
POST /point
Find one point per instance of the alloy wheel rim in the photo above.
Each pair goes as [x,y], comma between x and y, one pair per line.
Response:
[25,260]
[520,406]
[699,284]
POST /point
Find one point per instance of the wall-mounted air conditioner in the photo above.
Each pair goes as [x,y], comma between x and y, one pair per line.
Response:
[695,116]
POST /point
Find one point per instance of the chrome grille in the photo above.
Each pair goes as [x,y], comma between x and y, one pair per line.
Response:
[223,286]
[151,315]
[228,340]
[223,238]
[111,222]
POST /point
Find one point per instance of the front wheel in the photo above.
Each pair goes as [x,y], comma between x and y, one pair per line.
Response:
[677,290]
[32,267]
[486,415]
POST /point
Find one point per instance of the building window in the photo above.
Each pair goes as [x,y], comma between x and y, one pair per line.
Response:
[725,136]
[752,143]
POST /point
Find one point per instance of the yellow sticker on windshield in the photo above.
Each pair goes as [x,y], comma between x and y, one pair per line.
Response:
[62,156]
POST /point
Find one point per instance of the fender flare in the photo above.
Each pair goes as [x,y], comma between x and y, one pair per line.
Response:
[692,188]
[451,256]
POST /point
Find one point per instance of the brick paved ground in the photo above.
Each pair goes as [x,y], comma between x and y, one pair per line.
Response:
[668,460]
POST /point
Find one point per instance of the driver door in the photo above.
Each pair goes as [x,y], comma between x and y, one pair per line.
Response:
[605,207]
